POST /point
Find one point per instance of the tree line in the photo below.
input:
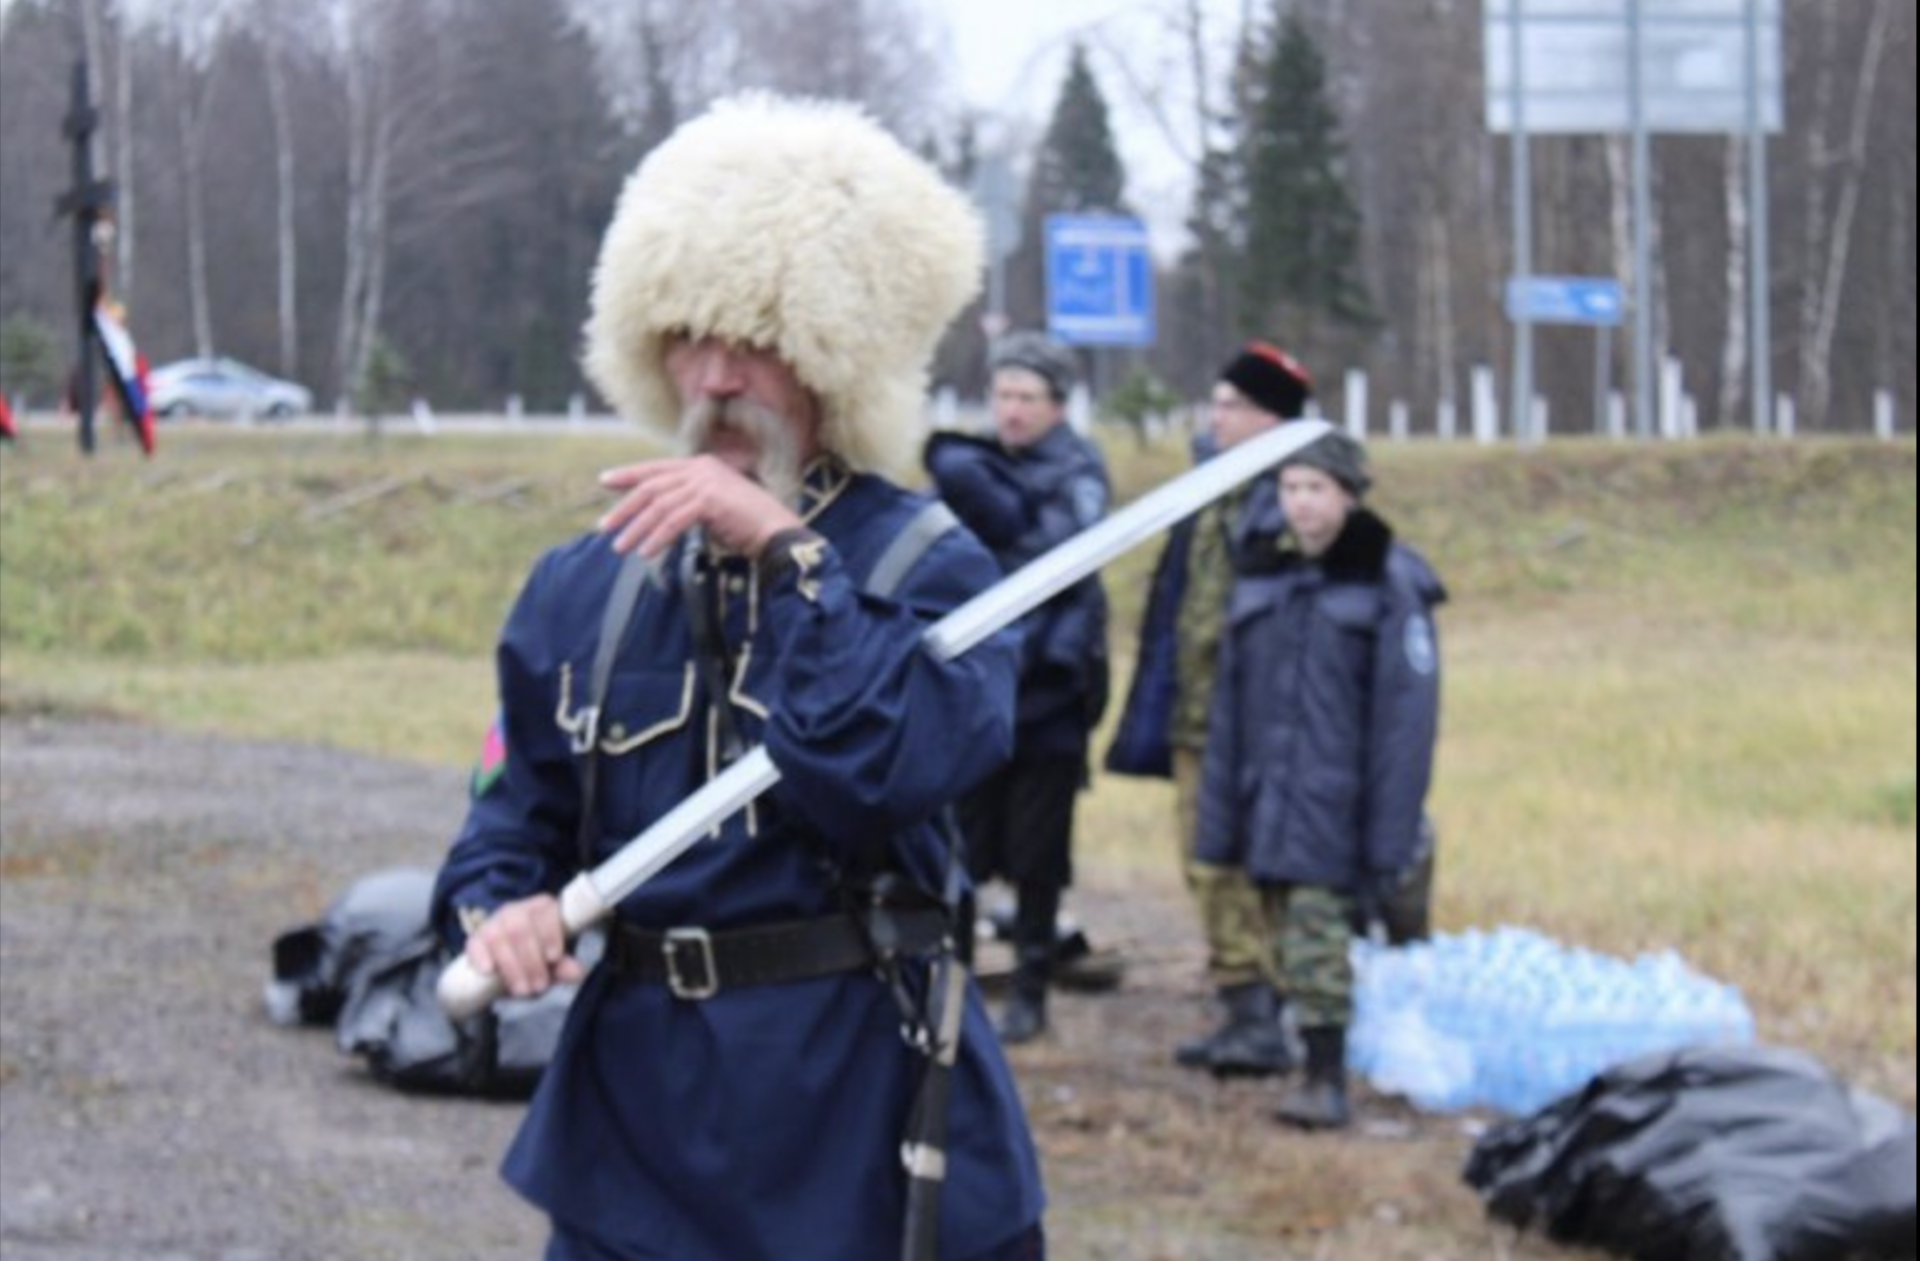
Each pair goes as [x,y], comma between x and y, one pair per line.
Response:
[373,195]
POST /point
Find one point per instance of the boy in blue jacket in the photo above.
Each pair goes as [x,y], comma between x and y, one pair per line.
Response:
[1320,751]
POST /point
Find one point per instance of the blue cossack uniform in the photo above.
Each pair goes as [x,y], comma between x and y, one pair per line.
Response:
[763,1121]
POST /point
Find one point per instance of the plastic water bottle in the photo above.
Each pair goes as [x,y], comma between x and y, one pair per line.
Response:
[1513,1020]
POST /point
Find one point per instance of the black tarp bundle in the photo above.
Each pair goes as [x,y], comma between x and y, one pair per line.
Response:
[1747,1154]
[369,968]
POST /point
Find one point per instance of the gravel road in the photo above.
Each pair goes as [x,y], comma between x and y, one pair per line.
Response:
[149,1109]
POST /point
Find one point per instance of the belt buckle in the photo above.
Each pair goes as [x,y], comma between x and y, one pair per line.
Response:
[701,943]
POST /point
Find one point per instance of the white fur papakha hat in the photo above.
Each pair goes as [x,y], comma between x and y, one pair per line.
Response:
[797,226]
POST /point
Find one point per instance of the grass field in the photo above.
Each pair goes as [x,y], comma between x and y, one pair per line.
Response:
[1679,699]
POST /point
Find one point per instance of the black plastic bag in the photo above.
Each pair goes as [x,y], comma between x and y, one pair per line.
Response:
[1747,1154]
[369,968]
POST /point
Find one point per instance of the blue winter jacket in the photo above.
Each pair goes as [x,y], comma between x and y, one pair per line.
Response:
[1022,504]
[1321,747]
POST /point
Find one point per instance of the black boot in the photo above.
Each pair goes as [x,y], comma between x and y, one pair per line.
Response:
[1252,1042]
[1035,939]
[1320,1102]
[1024,1018]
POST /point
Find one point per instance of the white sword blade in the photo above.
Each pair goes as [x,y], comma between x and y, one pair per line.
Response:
[592,895]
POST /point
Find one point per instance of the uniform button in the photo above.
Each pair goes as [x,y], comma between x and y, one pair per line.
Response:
[617,732]
[736,586]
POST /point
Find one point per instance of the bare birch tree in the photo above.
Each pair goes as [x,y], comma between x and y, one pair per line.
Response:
[1733,347]
[125,188]
[365,31]
[1827,269]
[276,37]
[196,36]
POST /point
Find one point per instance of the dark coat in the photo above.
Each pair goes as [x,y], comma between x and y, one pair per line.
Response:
[1326,714]
[1172,689]
[1142,745]
[1022,505]
[767,1121]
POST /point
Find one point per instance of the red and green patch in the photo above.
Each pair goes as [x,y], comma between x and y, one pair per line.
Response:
[493,760]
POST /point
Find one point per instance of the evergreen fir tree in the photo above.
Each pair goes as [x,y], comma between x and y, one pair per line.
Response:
[1204,295]
[1077,171]
[1302,247]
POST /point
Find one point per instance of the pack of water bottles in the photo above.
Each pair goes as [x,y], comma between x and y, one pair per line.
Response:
[1513,1020]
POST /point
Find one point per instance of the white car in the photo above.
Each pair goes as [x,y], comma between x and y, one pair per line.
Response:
[224,387]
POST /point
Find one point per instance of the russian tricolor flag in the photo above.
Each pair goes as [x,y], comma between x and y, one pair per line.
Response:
[127,369]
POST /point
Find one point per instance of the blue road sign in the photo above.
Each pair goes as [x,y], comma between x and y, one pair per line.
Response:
[1566,300]
[1099,281]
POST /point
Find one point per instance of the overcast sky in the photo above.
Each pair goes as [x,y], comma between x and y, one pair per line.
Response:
[1010,56]
[999,43]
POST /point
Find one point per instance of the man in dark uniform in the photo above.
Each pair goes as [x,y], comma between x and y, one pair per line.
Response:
[1163,731]
[732,1083]
[1034,485]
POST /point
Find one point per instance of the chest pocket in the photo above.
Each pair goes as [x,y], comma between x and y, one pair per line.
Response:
[1353,610]
[646,752]
[1251,600]
[645,706]
[1346,621]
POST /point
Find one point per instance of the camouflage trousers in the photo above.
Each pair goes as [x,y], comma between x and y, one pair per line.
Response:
[1241,942]
[1314,930]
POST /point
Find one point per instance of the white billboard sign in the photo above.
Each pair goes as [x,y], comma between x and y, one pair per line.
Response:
[1578,55]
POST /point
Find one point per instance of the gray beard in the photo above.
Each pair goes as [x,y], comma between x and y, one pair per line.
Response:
[778,469]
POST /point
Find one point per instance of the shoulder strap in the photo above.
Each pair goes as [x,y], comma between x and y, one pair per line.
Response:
[931,524]
[928,527]
[614,620]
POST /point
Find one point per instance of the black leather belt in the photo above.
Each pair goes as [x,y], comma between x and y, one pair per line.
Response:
[696,964]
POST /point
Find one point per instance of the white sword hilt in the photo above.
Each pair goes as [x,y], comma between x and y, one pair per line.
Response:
[465,990]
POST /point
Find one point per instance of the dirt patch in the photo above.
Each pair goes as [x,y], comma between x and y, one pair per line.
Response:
[150,1110]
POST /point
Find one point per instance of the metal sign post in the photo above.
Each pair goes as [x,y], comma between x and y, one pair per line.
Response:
[86,202]
[1523,427]
[997,193]
[1627,67]
[1642,223]
[1759,247]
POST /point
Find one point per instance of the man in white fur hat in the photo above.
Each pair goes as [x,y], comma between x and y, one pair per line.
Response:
[733,1084]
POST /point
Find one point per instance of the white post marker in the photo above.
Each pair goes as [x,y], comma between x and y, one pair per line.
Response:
[1486,412]
[1672,390]
[1357,404]
[1080,409]
[590,897]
